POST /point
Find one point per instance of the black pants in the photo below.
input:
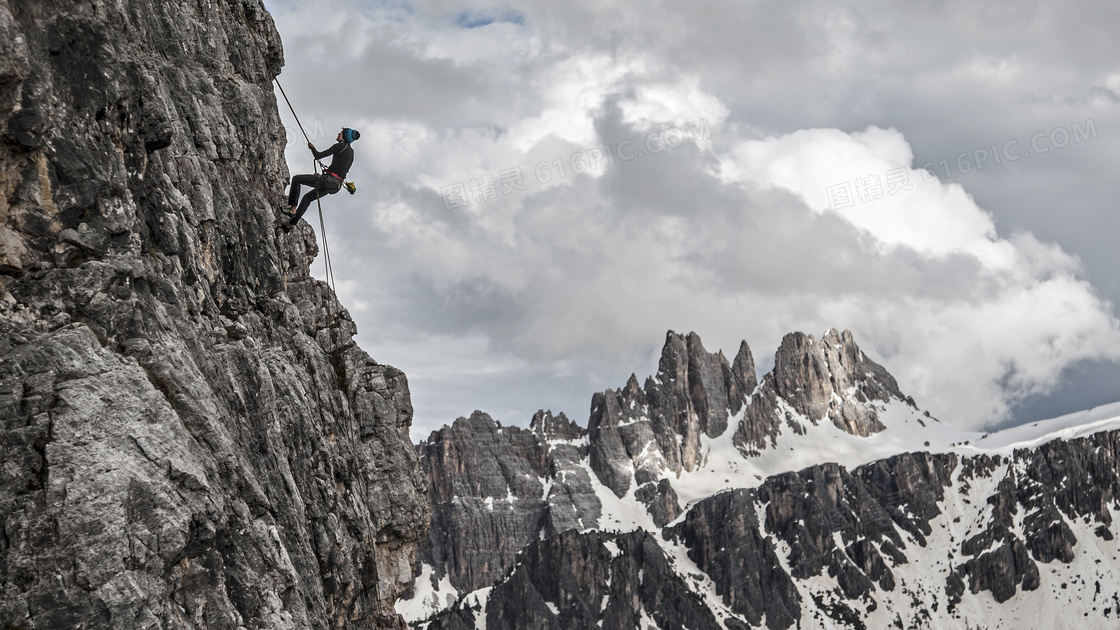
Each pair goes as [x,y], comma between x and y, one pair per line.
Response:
[320,185]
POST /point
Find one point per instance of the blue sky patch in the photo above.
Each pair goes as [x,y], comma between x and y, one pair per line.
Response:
[477,18]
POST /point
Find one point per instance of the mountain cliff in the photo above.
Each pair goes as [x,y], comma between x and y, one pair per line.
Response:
[189,436]
[817,497]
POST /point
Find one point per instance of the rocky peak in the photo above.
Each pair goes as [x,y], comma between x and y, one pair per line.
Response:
[743,369]
[557,427]
[478,457]
[813,380]
[693,383]
[801,375]
[639,434]
[633,391]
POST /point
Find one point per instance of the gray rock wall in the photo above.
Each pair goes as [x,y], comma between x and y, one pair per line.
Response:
[590,580]
[822,379]
[900,542]
[855,526]
[189,436]
[497,489]
[638,434]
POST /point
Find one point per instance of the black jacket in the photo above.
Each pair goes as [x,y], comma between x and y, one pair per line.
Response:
[343,158]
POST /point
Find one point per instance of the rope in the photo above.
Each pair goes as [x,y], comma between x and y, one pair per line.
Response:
[330,276]
[327,262]
[285,95]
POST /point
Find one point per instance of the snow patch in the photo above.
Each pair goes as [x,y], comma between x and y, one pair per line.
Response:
[426,600]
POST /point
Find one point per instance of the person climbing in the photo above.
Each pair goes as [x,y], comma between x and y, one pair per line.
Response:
[327,183]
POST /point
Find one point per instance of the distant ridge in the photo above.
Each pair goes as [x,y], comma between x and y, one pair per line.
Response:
[823,474]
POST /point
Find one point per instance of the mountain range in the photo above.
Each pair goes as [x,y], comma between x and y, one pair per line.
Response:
[817,497]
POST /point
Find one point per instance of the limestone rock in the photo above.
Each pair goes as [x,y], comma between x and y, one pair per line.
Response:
[495,489]
[817,380]
[189,436]
[640,434]
[588,580]
[917,539]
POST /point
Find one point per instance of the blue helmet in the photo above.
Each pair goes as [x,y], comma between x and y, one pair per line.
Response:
[349,135]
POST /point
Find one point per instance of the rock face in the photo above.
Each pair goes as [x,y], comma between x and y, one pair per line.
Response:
[189,436]
[815,380]
[589,580]
[496,489]
[916,540]
[855,527]
[639,434]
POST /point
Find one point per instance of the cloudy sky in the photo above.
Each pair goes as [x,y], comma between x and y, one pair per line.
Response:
[546,188]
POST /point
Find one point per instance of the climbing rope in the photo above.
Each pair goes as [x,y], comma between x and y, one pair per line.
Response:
[318,167]
[285,95]
[327,261]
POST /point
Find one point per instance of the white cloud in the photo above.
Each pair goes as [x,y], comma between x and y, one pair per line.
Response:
[913,210]
[1022,317]
[678,104]
[580,278]
[577,278]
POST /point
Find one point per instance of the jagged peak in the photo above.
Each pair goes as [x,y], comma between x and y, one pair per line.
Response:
[832,379]
[743,367]
[838,356]
[479,417]
[555,426]
[477,420]
[674,357]
[632,389]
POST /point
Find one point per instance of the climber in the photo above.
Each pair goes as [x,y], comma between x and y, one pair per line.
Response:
[327,183]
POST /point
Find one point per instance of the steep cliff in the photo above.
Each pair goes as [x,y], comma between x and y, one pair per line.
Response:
[497,489]
[190,437]
[588,580]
